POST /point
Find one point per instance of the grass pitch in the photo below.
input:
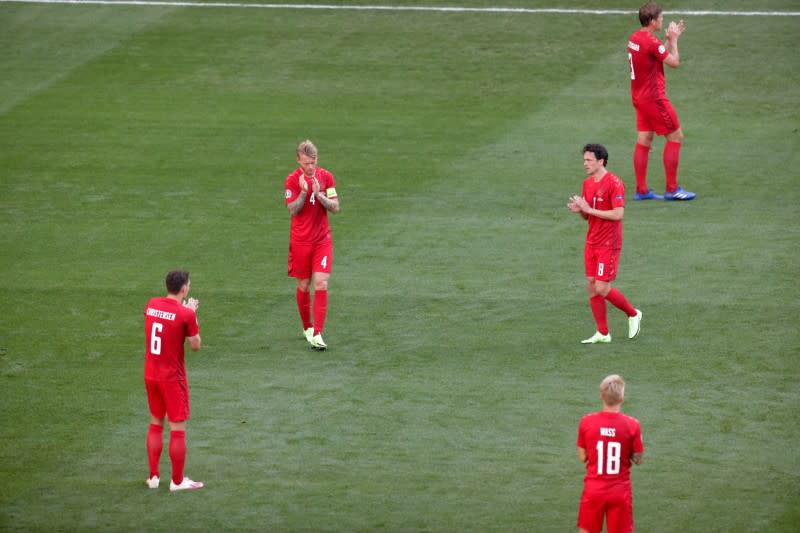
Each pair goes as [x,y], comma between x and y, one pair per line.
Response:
[137,139]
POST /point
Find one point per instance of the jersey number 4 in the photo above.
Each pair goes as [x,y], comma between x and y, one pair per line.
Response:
[155,339]
[608,457]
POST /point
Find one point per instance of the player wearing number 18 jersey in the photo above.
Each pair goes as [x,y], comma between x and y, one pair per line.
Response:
[310,194]
[608,442]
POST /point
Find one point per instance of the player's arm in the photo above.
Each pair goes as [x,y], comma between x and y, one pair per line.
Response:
[574,206]
[673,32]
[637,458]
[582,455]
[296,205]
[585,209]
[331,204]
[195,342]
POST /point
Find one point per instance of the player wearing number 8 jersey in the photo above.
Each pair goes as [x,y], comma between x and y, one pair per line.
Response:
[168,324]
[310,194]
[608,442]
[654,112]
[603,206]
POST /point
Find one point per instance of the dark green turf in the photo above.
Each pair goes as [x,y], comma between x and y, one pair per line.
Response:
[134,140]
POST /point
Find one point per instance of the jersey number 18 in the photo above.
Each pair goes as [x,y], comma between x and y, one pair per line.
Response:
[608,457]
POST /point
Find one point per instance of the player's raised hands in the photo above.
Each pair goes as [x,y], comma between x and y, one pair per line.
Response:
[675,29]
[192,303]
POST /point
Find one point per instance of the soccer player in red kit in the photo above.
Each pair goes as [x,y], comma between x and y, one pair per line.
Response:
[310,194]
[654,112]
[603,206]
[168,324]
[608,442]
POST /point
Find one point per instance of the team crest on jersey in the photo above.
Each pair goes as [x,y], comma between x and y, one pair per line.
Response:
[288,193]
[661,49]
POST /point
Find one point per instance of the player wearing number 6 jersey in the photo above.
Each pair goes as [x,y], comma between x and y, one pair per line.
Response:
[310,194]
[654,112]
[603,206]
[608,442]
[168,324]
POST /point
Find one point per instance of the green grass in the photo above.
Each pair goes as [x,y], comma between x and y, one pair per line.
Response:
[134,140]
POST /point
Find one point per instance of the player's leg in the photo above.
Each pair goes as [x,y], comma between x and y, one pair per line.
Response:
[590,513]
[155,432]
[669,126]
[597,302]
[178,413]
[610,259]
[300,268]
[619,512]
[322,265]
[641,156]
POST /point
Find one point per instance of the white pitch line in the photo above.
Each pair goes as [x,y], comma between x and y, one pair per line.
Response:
[441,9]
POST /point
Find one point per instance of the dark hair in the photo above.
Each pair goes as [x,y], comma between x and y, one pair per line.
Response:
[599,152]
[176,280]
[648,12]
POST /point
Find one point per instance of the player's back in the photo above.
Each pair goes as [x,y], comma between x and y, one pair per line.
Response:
[167,324]
[610,439]
[646,54]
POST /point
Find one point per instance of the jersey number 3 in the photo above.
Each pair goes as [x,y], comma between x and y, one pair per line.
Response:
[630,62]
[608,457]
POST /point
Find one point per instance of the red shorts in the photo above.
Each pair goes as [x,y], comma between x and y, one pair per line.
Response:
[168,398]
[601,263]
[615,503]
[305,259]
[658,116]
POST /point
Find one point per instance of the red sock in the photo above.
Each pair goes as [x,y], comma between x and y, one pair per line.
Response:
[619,301]
[155,444]
[304,306]
[672,156]
[598,304]
[177,454]
[320,310]
[640,156]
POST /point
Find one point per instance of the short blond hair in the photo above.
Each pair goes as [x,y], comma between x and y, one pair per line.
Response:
[306,148]
[612,390]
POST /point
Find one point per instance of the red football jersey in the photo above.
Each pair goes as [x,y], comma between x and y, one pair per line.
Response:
[610,439]
[604,195]
[646,55]
[310,225]
[167,324]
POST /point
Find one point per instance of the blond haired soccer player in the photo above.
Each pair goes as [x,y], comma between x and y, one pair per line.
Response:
[603,206]
[655,115]
[168,323]
[310,195]
[608,443]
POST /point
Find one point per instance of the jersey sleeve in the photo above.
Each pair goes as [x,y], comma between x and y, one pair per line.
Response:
[657,48]
[190,320]
[330,185]
[638,443]
[618,194]
[581,441]
[292,188]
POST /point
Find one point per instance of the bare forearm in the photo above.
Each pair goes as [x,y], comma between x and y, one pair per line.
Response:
[297,205]
[330,204]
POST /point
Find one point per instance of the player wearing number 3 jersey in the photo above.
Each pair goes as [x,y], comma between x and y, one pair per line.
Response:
[168,324]
[310,194]
[608,442]
[654,112]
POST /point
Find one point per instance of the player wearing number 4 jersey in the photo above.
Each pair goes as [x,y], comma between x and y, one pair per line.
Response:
[654,112]
[310,194]
[603,206]
[608,443]
[168,324]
